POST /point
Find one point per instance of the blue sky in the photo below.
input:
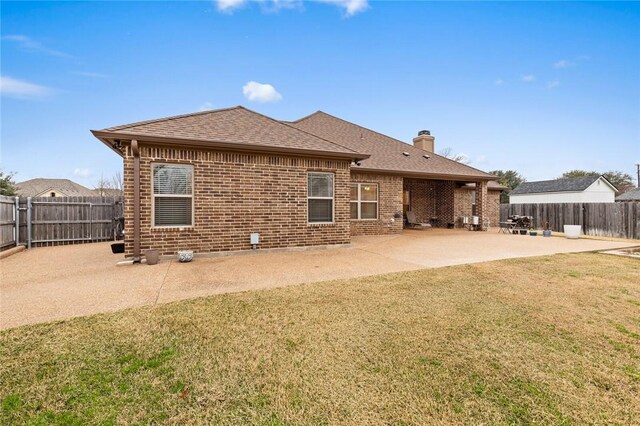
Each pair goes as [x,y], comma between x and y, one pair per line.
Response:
[537,87]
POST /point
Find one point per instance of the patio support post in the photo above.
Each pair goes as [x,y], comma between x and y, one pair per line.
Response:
[136,200]
[482,204]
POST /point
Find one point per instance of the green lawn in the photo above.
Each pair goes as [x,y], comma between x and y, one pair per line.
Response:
[551,340]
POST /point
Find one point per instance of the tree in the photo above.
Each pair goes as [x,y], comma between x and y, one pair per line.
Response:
[578,173]
[117,181]
[104,186]
[7,184]
[448,153]
[622,181]
[510,179]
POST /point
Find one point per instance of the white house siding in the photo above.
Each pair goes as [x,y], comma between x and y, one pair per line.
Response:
[598,192]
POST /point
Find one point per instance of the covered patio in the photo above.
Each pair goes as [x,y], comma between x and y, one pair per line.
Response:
[53,283]
[448,203]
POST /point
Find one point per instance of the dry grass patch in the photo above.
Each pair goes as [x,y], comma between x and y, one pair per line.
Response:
[549,340]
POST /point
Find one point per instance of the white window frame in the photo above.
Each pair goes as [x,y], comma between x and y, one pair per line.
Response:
[359,201]
[154,196]
[333,198]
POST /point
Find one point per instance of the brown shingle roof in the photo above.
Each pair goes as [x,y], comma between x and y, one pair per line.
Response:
[232,127]
[492,185]
[386,153]
[63,187]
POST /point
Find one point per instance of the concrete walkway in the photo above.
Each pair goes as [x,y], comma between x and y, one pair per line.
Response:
[53,283]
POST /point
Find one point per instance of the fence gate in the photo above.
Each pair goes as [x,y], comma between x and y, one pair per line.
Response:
[46,221]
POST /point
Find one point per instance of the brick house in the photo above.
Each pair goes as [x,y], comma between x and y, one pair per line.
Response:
[206,181]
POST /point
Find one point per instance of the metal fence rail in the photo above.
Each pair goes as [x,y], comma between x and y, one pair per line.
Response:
[46,221]
[618,220]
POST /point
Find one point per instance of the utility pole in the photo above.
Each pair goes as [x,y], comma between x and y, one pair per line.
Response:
[638,170]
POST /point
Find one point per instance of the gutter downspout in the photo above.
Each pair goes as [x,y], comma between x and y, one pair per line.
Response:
[136,200]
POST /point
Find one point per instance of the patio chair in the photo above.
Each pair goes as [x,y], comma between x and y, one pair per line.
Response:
[413,222]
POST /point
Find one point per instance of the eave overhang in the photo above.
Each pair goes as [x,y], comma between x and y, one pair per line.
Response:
[109,138]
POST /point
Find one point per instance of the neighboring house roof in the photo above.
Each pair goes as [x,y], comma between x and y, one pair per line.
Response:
[107,192]
[232,128]
[62,187]
[386,153]
[559,185]
[632,195]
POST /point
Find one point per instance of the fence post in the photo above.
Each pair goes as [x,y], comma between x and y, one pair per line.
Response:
[28,222]
[16,217]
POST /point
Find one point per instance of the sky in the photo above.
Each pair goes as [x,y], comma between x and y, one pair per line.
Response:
[537,87]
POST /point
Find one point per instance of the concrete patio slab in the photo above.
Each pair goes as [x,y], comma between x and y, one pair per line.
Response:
[54,283]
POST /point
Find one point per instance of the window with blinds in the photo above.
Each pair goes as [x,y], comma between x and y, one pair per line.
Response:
[364,201]
[320,197]
[172,195]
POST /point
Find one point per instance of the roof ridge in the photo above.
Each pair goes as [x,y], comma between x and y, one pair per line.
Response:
[566,178]
[387,136]
[172,117]
[299,130]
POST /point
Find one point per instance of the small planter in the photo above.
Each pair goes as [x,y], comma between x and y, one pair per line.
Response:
[117,248]
[533,233]
[572,231]
[523,232]
[152,256]
[546,233]
[185,256]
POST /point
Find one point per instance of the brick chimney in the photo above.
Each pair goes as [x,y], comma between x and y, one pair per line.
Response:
[424,141]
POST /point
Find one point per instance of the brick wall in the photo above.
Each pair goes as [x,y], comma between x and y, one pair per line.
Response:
[422,198]
[236,194]
[482,201]
[464,201]
[463,205]
[445,201]
[389,203]
[493,208]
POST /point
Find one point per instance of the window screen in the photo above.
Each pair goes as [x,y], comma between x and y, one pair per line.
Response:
[172,195]
[320,197]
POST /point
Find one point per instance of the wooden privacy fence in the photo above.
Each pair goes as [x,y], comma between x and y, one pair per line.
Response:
[46,221]
[7,222]
[619,220]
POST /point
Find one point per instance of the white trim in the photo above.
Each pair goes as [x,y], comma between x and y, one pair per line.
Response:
[333,198]
[359,201]
[605,180]
[154,195]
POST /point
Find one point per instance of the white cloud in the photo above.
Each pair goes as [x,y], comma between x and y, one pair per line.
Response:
[82,172]
[259,92]
[276,5]
[528,78]
[499,82]
[563,63]
[22,89]
[481,158]
[351,7]
[26,43]
[553,84]
[229,5]
[206,106]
